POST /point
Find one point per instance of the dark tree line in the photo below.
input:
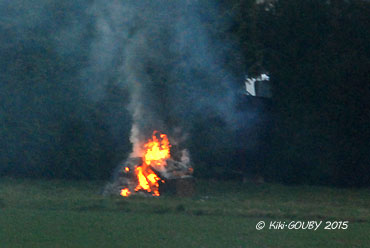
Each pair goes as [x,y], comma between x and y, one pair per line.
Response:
[314,130]
[318,55]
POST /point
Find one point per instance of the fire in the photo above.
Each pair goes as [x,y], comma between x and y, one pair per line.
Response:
[125,192]
[157,151]
[147,180]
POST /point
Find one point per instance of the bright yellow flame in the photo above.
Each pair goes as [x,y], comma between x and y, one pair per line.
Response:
[157,151]
[125,192]
[142,180]
[147,180]
[155,155]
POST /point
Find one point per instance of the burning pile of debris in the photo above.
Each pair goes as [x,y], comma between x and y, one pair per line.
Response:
[148,173]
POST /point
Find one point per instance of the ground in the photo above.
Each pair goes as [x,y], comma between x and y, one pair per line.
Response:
[37,213]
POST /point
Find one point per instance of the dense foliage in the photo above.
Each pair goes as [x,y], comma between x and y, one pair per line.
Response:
[318,55]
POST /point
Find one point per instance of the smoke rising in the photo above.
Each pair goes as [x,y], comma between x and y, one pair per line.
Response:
[167,60]
[77,77]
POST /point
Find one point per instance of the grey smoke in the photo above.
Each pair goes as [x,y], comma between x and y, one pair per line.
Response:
[170,64]
[59,59]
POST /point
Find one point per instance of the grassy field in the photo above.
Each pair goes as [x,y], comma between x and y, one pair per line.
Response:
[221,214]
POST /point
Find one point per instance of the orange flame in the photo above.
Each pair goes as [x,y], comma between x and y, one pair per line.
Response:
[125,192]
[147,180]
[157,151]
